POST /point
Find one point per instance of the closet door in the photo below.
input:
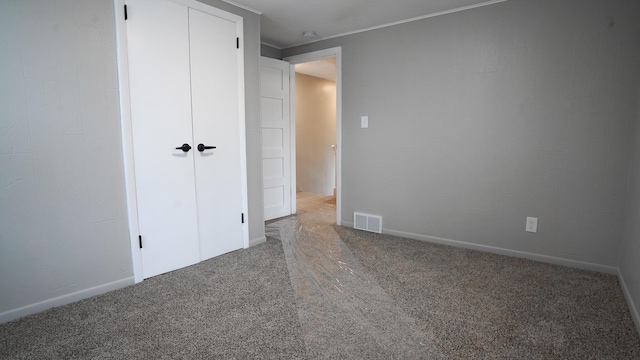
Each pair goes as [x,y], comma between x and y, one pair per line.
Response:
[185,70]
[216,122]
[158,47]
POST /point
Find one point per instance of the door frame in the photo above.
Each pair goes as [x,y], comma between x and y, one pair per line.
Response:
[312,56]
[122,58]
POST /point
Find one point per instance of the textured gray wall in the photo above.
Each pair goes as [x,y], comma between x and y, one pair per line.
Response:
[63,223]
[270,52]
[480,118]
[252,114]
[630,251]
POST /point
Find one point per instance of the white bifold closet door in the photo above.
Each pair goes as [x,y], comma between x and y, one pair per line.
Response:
[184,82]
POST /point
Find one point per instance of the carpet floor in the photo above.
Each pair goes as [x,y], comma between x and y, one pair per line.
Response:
[317,291]
[479,305]
[236,306]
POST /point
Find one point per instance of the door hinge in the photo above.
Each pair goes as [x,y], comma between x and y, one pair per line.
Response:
[242,217]
[140,241]
[237,43]
[126,16]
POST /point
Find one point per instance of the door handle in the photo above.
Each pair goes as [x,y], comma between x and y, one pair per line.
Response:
[184,147]
[202,147]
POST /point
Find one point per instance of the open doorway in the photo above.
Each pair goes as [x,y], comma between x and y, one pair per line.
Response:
[315,135]
[317,89]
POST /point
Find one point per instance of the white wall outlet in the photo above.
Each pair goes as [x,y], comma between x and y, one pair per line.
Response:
[364,122]
[532,225]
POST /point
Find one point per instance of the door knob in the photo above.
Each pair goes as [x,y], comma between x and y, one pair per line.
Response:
[184,147]
[202,147]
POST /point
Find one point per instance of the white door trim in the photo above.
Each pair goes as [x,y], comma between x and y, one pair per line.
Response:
[126,125]
[317,55]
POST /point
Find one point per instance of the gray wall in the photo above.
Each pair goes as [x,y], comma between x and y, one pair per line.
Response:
[630,251]
[480,118]
[252,114]
[63,224]
[270,52]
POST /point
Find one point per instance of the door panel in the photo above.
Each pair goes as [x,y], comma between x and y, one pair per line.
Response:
[216,122]
[276,137]
[158,50]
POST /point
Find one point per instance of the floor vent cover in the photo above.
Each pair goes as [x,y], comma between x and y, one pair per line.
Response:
[367,222]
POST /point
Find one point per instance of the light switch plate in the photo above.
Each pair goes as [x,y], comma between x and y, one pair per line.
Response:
[364,122]
[532,225]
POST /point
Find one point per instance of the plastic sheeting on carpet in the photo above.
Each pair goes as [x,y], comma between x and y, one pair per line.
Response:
[343,311]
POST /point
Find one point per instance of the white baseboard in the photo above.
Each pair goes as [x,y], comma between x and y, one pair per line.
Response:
[627,295]
[64,299]
[502,251]
[257,241]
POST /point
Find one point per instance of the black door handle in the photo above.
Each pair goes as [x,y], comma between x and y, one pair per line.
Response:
[202,147]
[184,147]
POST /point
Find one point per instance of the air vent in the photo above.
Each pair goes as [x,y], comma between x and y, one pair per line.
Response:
[367,222]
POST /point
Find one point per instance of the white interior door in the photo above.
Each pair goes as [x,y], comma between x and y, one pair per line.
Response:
[276,138]
[158,50]
[216,119]
[186,88]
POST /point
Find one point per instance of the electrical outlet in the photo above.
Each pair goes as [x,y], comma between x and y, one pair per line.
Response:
[364,122]
[532,225]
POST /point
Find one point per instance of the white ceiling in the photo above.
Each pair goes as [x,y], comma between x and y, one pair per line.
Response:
[284,21]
